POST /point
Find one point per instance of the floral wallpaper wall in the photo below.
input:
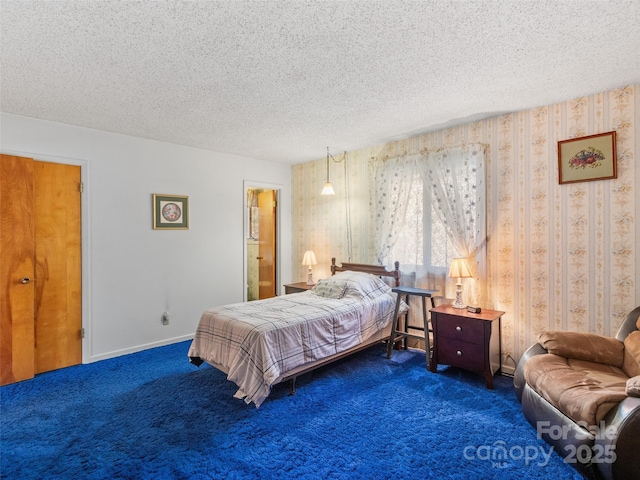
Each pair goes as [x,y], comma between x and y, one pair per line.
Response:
[560,257]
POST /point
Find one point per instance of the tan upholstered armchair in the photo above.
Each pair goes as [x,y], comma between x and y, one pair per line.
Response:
[582,394]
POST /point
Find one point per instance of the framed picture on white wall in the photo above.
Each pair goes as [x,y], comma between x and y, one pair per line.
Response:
[170,212]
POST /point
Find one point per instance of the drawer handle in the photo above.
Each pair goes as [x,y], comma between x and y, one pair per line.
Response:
[459,353]
[459,328]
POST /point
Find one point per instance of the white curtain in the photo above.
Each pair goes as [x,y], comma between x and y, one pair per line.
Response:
[428,208]
[456,177]
[393,184]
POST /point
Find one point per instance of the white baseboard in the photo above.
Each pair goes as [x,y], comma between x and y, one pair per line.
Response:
[508,370]
[139,348]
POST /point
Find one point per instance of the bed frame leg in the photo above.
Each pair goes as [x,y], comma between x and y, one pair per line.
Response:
[292,391]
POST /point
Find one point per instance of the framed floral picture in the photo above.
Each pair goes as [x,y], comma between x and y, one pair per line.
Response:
[170,212]
[587,158]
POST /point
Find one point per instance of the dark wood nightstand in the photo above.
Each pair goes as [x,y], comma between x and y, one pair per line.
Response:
[467,340]
[297,287]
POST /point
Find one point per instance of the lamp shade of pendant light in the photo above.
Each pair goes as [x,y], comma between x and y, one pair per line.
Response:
[328,188]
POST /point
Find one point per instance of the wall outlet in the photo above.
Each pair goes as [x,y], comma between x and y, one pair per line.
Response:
[165,318]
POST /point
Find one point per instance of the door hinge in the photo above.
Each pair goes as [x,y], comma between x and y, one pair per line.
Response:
[275,204]
[81,187]
[82,333]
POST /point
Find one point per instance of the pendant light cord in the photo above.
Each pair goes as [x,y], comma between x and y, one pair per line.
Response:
[348,209]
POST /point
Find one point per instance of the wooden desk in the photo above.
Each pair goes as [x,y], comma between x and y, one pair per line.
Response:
[399,335]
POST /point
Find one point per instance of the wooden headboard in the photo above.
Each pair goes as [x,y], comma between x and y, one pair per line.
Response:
[379,270]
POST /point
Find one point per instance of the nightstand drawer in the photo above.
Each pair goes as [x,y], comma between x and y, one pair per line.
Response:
[461,354]
[461,328]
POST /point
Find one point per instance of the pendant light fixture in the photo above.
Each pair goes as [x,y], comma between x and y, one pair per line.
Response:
[328,188]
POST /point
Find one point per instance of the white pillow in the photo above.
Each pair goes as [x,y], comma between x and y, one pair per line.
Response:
[330,288]
[362,285]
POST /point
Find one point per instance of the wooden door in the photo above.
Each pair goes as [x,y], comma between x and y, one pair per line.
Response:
[267,244]
[58,308]
[17,250]
[40,267]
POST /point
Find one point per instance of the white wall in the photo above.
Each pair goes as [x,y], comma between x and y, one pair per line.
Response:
[132,273]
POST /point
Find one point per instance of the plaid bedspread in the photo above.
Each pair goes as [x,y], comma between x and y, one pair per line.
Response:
[258,341]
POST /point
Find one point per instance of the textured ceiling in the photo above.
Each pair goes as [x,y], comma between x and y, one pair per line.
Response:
[282,80]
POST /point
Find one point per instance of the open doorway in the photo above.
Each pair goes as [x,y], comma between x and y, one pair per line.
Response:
[261,246]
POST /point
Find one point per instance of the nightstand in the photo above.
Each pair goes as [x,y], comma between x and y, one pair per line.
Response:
[297,287]
[467,340]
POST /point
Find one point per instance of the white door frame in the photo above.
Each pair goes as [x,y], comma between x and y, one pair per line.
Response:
[247,185]
[84,246]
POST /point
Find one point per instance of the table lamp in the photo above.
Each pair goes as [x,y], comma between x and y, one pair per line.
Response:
[309,259]
[459,269]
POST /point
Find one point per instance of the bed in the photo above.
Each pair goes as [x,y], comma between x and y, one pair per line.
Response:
[262,343]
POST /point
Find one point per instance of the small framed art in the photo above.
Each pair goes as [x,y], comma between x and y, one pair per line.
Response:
[587,158]
[170,212]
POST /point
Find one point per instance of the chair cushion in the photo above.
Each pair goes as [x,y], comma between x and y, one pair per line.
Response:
[631,364]
[584,346]
[584,391]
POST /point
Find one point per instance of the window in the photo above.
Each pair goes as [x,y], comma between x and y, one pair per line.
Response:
[423,241]
[430,208]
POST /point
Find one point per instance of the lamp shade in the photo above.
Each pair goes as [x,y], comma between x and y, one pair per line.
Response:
[327,190]
[459,268]
[309,258]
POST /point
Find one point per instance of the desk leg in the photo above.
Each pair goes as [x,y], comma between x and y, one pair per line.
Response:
[426,330]
[405,342]
[433,361]
[394,325]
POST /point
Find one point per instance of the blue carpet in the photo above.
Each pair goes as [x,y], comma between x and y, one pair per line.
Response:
[153,415]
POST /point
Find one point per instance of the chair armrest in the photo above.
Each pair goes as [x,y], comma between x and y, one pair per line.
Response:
[518,376]
[584,346]
[620,438]
[629,324]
